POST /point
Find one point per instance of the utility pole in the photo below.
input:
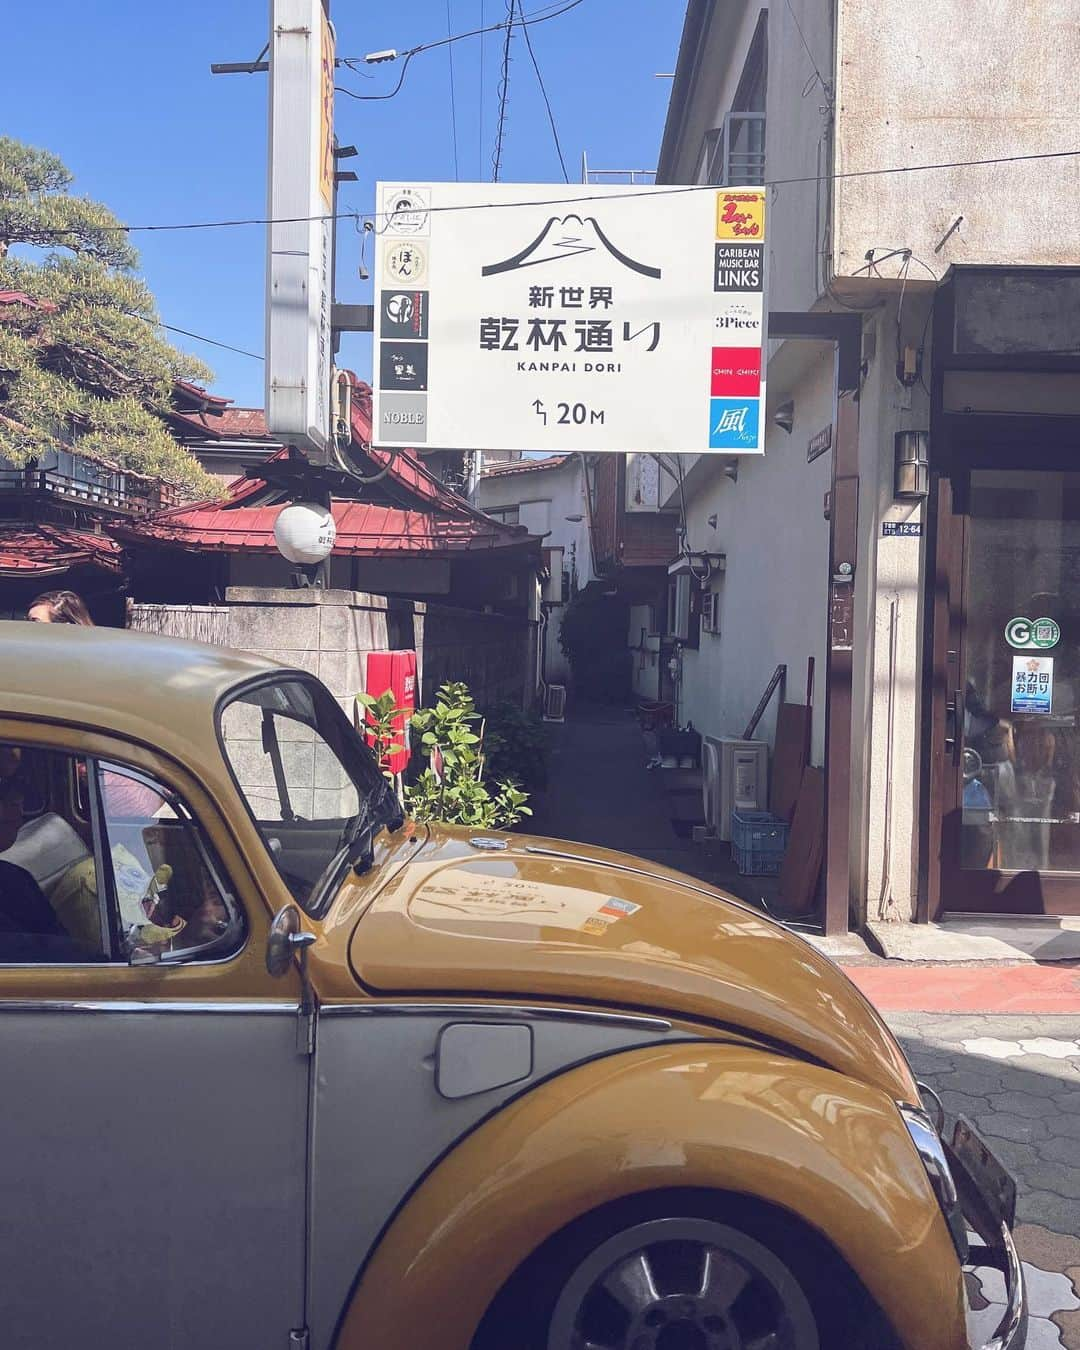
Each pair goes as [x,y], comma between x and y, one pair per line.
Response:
[302,322]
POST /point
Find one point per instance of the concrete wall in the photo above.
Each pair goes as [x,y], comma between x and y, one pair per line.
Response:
[495,655]
[939,81]
[329,634]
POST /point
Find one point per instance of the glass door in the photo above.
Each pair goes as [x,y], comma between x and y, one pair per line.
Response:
[1011,828]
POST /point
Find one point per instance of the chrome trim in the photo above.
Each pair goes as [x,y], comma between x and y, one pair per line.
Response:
[937,1115]
[143,1006]
[1004,1338]
[498,1010]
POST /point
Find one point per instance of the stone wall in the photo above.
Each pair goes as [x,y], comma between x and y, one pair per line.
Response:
[329,633]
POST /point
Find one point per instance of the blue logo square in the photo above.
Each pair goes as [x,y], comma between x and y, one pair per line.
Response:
[733,423]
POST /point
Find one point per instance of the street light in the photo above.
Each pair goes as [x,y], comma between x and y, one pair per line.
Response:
[305,533]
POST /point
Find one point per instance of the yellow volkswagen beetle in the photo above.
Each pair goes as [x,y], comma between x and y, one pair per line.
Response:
[283,1069]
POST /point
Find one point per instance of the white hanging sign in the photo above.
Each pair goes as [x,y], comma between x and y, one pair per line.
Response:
[534,317]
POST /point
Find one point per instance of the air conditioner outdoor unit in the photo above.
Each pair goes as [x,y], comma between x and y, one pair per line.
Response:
[555,703]
[734,777]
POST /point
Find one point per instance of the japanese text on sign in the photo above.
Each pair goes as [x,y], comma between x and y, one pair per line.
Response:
[628,320]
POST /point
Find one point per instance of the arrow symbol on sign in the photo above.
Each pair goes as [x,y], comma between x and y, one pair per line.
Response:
[539,409]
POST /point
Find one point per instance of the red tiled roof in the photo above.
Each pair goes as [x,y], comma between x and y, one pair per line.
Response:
[363,529]
[31,549]
[501,470]
[25,301]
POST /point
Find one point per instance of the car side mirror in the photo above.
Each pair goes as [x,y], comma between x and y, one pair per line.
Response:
[285,940]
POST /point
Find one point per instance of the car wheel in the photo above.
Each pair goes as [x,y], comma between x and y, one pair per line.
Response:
[681,1284]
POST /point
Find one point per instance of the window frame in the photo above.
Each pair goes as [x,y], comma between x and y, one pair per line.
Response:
[207,856]
[114,958]
[322,891]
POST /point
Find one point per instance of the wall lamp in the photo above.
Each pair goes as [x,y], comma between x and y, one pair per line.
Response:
[912,460]
[731,470]
[784,416]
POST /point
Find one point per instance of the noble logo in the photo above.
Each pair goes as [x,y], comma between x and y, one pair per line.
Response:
[739,267]
[403,418]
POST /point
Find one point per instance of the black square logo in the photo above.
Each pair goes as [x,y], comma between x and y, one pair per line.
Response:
[404,365]
[404,314]
[739,267]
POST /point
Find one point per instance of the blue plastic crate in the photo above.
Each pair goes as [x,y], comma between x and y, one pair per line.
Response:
[758,841]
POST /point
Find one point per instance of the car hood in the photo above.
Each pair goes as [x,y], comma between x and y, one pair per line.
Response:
[540,919]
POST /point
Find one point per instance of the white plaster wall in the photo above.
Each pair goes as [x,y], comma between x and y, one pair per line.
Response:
[545,498]
[774,590]
[934,81]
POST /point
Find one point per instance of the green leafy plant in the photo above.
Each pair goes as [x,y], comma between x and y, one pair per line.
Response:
[515,746]
[83,366]
[452,788]
[378,722]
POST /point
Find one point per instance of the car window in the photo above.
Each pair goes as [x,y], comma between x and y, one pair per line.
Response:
[159,894]
[168,892]
[50,906]
[303,772]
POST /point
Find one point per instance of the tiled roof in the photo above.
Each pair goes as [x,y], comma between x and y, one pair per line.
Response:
[363,529]
[36,549]
[503,470]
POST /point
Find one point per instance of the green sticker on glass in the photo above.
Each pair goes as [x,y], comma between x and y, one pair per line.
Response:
[1026,634]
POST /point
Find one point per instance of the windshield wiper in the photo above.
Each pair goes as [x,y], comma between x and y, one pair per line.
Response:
[382,808]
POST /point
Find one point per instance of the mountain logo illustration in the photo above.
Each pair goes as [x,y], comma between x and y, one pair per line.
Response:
[563,238]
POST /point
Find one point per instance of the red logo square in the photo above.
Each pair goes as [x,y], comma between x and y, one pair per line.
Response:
[736,372]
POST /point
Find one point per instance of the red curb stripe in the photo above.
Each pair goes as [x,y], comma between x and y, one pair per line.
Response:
[996,989]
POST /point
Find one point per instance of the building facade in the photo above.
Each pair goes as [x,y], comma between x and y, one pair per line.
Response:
[548,498]
[913,528]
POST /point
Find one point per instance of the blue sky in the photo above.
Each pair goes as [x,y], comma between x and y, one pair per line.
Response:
[122,92]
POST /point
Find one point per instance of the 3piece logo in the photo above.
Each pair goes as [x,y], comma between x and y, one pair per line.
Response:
[739,284]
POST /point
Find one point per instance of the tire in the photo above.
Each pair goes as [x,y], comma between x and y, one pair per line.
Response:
[684,1271]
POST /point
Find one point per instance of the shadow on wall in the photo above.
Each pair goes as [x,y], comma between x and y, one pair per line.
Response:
[593,637]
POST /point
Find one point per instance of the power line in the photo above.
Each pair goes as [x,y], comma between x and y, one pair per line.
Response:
[504,94]
[453,94]
[483,44]
[547,101]
[809,53]
[199,337]
[355,63]
[672,191]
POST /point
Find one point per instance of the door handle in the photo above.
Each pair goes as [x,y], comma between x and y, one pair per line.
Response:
[955,711]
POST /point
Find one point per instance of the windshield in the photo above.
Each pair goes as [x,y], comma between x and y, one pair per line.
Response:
[310,783]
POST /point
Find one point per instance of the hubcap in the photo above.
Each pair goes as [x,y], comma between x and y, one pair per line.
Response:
[682,1284]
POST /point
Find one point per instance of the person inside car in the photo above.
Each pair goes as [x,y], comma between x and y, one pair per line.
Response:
[24,910]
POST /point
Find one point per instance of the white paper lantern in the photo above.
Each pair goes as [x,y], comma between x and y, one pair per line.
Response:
[305,532]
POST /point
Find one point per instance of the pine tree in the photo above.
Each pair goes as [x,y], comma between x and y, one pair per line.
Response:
[83,366]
